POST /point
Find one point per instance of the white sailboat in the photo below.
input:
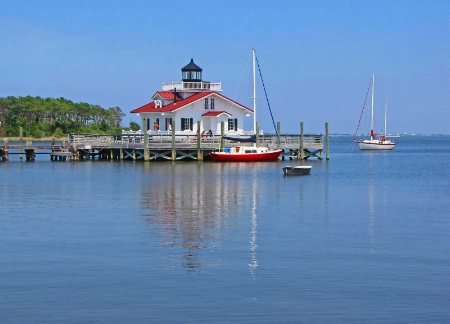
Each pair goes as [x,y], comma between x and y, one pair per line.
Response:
[376,141]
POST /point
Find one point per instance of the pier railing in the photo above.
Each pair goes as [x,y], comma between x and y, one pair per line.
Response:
[291,141]
[164,140]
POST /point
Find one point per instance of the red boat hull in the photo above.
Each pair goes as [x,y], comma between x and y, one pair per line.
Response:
[245,157]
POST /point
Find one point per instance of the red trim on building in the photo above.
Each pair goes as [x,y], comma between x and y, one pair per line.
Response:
[150,107]
[215,113]
[166,95]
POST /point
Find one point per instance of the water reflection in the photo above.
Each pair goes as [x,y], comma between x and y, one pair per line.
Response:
[192,205]
[254,226]
[378,173]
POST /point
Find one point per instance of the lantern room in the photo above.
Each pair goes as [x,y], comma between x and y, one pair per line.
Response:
[191,72]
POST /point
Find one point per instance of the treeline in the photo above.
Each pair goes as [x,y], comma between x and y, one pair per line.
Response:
[42,117]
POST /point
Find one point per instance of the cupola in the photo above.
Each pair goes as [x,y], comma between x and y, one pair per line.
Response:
[191,72]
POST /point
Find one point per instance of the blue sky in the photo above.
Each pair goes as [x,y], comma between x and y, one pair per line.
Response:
[317,57]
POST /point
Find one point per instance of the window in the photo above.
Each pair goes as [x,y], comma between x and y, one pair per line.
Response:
[232,124]
[187,124]
[156,124]
[212,103]
[192,75]
[168,124]
[206,103]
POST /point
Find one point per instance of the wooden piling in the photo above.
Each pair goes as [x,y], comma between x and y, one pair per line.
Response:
[278,134]
[29,154]
[5,155]
[199,143]
[302,148]
[257,134]
[327,140]
[73,150]
[146,152]
[222,133]
[174,151]
[21,139]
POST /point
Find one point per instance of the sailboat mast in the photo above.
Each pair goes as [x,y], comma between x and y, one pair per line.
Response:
[385,117]
[373,95]
[254,91]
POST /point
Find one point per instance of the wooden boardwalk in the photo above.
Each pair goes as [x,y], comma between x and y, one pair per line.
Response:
[163,146]
[56,152]
[166,146]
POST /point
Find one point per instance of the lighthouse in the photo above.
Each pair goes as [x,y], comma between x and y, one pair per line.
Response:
[191,72]
[193,106]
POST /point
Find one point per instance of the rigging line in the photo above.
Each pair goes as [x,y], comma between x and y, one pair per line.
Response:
[243,74]
[240,82]
[267,99]
[362,111]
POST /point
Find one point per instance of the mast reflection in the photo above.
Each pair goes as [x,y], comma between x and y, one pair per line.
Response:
[193,205]
[253,238]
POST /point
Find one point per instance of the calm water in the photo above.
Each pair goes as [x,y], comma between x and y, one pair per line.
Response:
[364,238]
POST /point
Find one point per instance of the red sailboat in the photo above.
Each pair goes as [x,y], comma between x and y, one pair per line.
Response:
[245,154]
[251,153]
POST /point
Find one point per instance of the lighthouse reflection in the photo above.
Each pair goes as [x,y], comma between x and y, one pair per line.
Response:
[194,209]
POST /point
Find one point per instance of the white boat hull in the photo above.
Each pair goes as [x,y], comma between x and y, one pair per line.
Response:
[376,145]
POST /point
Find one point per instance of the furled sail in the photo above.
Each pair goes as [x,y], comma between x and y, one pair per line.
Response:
[246,139]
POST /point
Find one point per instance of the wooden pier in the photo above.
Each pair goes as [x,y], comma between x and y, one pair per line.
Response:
[160,146]
[29,150]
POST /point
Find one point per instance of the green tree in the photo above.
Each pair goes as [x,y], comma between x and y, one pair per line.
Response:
[134,126]
[48,116]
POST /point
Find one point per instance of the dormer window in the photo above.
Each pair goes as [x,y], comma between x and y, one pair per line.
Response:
[158,103]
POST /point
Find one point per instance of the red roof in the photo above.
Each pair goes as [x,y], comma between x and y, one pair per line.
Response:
[150,107]
[145,108]
[215,113]
[166,95]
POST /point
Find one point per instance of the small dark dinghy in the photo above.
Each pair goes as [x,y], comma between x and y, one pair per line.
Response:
[297,170]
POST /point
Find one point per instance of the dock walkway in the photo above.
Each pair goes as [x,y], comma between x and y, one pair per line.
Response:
[178,147]
[163,146]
